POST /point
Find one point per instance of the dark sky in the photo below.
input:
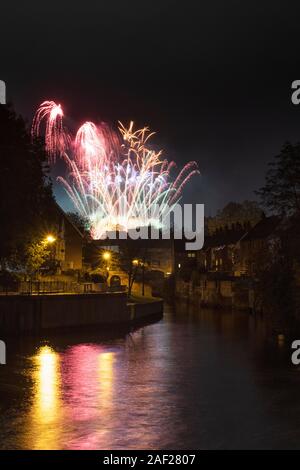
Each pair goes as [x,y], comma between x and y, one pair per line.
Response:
[212,78]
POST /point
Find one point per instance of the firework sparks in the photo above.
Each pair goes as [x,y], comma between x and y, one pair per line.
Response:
[114,179]
[56,138]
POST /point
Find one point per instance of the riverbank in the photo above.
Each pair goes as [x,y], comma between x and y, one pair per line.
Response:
[144,308]
[36,313]
[214,291]
[218,291]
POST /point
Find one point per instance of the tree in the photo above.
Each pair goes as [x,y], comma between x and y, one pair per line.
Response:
[277,277]
[281,192]
[79,221]
[131,258]
[276,289]
[108,260]
[25,188]
[36,255]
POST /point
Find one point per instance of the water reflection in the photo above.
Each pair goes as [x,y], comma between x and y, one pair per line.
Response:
[73,388]
[197,379]
[47,378]
[87,389]
[46,406]
[106,375]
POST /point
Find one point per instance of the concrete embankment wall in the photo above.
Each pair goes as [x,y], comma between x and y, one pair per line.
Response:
[142,311]
[35,313]
[216,293]
[21,313]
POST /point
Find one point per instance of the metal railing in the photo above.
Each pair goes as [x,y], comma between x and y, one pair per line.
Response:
[57,287]
[47,287]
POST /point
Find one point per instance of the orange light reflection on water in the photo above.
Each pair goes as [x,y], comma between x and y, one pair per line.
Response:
[46,408]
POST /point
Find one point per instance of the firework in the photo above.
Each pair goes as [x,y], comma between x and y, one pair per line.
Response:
[56,138]
[114,179]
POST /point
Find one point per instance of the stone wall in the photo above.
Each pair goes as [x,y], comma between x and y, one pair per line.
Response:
[36,313]
[215,293]
[39,312]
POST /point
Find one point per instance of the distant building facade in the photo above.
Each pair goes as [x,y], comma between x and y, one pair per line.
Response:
[220,249]
[255,246]
[224,271]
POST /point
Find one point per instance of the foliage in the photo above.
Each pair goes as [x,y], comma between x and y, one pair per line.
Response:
[97,278]
[25,188]
[9,280]
[276,268]
[276,288]
[79,221]
[37,254]
[131,259]
[281,192]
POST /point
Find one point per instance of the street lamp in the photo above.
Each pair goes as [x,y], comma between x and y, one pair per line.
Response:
[135,262]
[50,239]
[106,256]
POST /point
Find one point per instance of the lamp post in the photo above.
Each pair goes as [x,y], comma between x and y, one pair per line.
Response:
[135,263]
[106,256]
[50,240]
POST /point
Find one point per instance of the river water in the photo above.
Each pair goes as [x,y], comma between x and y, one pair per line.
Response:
[194,380]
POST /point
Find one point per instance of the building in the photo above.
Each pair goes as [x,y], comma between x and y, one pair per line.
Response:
[158,254]
[69,242]
[220,250]
[185,261]
[237,251]
[255,246]
[225,268]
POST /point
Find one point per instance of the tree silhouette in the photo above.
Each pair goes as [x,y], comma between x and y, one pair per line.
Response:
[25,188]
[281,192]
[79,221]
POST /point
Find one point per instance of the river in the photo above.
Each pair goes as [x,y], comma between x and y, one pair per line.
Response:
[194,380]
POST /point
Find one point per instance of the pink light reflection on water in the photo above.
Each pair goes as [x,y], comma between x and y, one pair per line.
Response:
[88,385]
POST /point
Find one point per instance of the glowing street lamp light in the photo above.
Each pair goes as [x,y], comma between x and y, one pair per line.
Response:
[135,262]
[106,256]
[50,239]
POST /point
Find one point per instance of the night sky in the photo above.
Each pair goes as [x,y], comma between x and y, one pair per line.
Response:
[212,78]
